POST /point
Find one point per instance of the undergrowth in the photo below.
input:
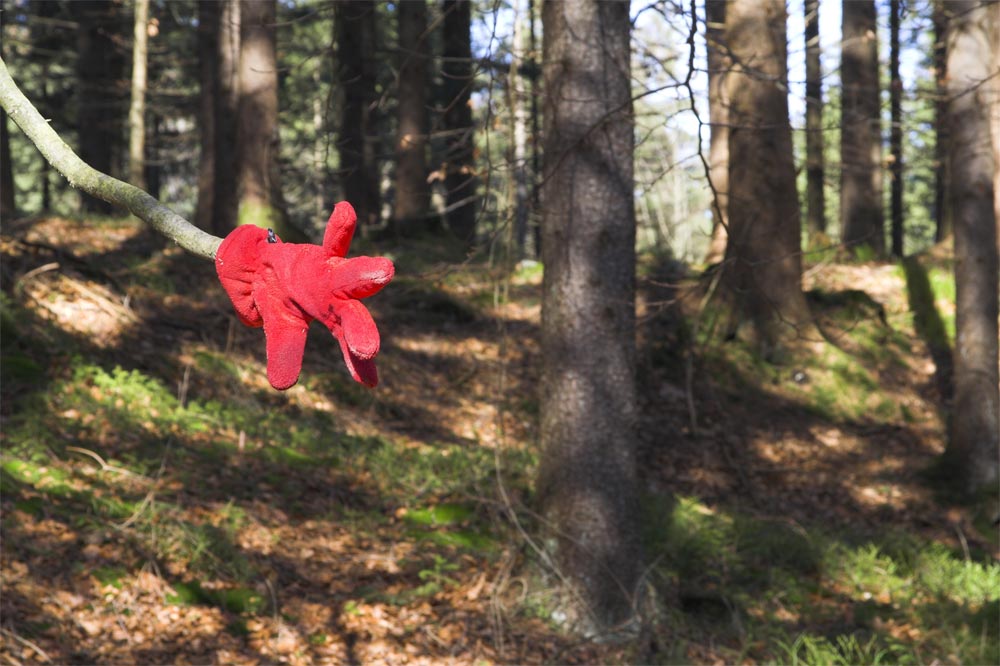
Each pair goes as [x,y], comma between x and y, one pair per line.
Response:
[777,591]
[183,476]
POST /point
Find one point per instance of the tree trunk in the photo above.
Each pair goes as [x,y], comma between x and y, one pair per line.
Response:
[323,200]
[258,182]
[209,15]
[99,75]
[718,112]
[7,202]
[354,22]
[995,124]
[942,211]
[43,174]
[763,255]
[587,480]
[412,189]
[815,204]
[974,446]
[861,215]
[536,132]
[225,196]
[456,70]
[137,109]
[896,132]
[154,172]
[520,117]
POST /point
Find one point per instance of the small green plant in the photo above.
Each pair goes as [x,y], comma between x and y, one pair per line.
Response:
[864,253]
[239,600]
[844,650]
[437,577]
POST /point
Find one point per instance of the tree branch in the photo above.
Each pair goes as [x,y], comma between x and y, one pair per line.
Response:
[84,177]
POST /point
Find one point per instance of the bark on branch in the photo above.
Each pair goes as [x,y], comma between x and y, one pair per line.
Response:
[93,182]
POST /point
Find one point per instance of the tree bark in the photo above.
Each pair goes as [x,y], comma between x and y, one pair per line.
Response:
[137,108]
[7,200]
[536,132]
[763,255]
[587,480]
[354,22]
[995,124]
[861,215]
[718,112]
[412,189]
[209,15]
[942,211]
[98,74]
[97,184]
[225,197]
[896,132]
[460,182]
[258,176]
[815,199]
[974,445]
[520,118]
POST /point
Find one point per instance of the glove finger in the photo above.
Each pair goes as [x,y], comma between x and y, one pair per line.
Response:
[285,335]
[361,369]
[285,347]
[360,330]
[340,229]
[360,277]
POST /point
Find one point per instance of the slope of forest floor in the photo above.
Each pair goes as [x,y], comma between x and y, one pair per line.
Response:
[161,503]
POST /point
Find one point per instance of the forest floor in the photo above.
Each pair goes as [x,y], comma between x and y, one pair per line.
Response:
[161,503]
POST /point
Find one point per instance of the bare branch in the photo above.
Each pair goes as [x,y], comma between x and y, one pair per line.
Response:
[84,177]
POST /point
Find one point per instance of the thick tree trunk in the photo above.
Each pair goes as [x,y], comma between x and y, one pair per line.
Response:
[815,203]
[763,255]
[718,112]
[258,181]
[354,22]
[974,446]
[412,189]
[225,197]
[896,132]
[861,215]
[456,70]
[99,72]
[587,480]
[209,15]
[137,108]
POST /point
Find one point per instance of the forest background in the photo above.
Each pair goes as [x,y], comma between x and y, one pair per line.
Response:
[794,498]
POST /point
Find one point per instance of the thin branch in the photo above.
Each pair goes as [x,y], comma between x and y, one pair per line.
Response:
[24,641]
[84,177]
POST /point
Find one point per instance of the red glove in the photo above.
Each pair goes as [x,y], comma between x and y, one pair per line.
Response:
[284,286]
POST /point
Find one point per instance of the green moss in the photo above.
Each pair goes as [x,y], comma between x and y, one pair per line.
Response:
[441,514]
[258,214]
[112,576]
